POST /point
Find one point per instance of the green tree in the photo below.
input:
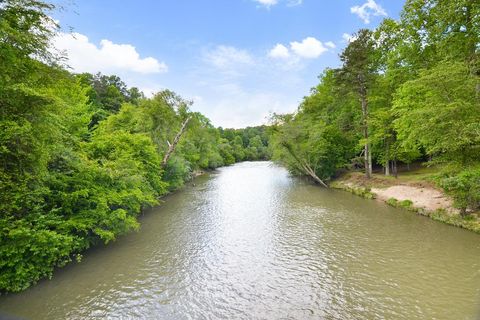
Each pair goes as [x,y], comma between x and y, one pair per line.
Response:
[358,74]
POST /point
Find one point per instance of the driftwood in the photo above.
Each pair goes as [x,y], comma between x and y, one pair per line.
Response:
[304,166]
[172,146]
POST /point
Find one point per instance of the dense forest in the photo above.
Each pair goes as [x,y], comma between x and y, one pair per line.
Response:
[81,155]
[407,91]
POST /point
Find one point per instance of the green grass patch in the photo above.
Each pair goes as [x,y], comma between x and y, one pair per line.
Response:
[363,192]
[469,222]
[392,202]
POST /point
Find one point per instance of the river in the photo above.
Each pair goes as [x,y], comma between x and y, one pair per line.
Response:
[251,242]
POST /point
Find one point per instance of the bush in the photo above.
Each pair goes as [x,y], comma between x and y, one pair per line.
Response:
[464,187]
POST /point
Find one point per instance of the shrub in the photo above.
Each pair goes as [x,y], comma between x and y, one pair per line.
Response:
[464,187]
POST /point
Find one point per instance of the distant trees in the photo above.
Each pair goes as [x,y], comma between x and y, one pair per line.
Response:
[248,144]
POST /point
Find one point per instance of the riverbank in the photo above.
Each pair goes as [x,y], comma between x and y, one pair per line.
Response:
[412,192]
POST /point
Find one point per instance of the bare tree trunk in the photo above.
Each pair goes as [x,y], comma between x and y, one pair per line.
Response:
[387,160]
[370,169]
[367,155]
[395,172]
[306,168]
[312,174]
[172,146]
[365,160]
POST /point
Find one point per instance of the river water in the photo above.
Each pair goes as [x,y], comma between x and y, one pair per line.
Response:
[251,242]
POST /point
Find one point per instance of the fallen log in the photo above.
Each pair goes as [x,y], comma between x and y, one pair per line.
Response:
[304,166]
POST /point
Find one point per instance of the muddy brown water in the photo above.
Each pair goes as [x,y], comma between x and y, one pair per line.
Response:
[251,242]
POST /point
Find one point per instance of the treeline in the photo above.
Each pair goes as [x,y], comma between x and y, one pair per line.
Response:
[81,155]
[407,91]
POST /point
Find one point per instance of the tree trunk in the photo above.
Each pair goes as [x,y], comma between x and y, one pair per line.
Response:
[395,172]
[367,155]
[387,160]
[370,169]
[306,168]
[172,146]
[312,174]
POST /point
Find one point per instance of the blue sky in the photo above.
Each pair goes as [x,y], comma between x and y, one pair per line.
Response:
[238,60]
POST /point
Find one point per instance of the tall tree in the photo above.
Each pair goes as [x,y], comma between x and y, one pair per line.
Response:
[358,74]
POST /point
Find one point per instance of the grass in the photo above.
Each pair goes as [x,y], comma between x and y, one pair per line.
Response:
[419,176]
[364,192]
[470,222]
[405,204]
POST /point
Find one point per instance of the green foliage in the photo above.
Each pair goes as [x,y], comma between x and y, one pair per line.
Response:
[248,144]
[321,135]
[82,155]
[439,111]
[468,222]
[177,172]
[464,187]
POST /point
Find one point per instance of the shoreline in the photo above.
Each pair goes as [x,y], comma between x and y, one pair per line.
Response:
[420,197]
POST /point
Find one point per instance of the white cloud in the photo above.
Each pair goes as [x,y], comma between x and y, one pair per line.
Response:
[240,87]
[309,48]
[267,3]
[367,9]
[330,44]
[270,3]
[236,107]
[228,60]
[293,3]
[109,57]
[348,37]
[279,51]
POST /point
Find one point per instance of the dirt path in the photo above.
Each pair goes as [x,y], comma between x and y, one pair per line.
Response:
[422,197]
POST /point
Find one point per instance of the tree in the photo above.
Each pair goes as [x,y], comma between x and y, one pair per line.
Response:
[439,112]
[357,74]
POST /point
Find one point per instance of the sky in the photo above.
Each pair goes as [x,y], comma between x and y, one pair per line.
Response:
[237,60]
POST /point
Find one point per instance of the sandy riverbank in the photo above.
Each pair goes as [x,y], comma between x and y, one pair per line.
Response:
[419,196]
[426,198]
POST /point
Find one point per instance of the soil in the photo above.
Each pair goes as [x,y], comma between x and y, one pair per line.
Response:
[423,194]
[422,197]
